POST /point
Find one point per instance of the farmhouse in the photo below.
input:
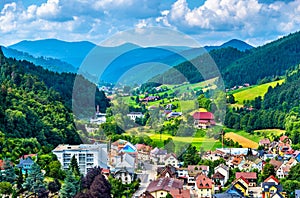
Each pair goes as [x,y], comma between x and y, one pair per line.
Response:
[204,120]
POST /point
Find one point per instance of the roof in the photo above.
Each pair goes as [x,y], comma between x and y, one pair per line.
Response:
[82,147]
[264,141]
[143,147]
[246,175]
[169,155]
[146,195]
[203,116]
[157,151]
[241,178]
[27,161]
[1,164]
[203,182]
[282,138]
[178,193]
[162,171]
[272,177]
[222,166]
[267,185]
[218,175]
[165,184]
[276,164]
[29,155]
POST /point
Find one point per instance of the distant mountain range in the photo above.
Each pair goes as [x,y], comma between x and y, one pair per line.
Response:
[112,62]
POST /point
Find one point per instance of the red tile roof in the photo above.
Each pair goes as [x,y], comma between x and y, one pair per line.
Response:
[203,182]
[177,193]
[246,175]
[264,141]
[164,184]
[1,165]
[282,138]
[242,178]
[272,177]
[203,116]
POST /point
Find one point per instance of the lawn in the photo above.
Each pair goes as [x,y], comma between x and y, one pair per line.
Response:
[255,91]
[206,143]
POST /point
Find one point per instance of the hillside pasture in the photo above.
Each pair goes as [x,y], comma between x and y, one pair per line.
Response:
[243,141]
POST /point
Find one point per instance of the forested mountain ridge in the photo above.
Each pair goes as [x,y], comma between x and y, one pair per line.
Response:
[269,60]
[62,83]
[51,64]
[28,108]
[280,108]
[237,67]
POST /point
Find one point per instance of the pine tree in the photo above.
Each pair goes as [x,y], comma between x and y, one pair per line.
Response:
[74,166]
[35,180]
[70,186]
[9,174]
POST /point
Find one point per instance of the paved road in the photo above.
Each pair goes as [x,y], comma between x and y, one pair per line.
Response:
[148,174]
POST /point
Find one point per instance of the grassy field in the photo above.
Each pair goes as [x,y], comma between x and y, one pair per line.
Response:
[255,91]
[205,143]
[243,141]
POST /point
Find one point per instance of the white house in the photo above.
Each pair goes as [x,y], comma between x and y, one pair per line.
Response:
[124,169]
[171,159]
[134,115]
[221,174]
[157,155]
[87,155]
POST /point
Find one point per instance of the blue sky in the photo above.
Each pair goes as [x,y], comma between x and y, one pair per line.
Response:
[207,21]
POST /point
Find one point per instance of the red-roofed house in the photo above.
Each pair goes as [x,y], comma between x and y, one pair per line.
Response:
[272,178]
[242,185]
[285,139]
[204,186]
[1,165]
[162,186]
[265,143]
[179,193]
[204,120]
[250,176]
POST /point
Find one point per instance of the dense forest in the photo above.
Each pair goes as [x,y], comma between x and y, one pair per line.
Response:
[63,83]
[237,67]
[280,108]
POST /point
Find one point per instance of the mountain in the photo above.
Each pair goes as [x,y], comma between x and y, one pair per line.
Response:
[70,52]
[111,64]
[51,64]
[237,67]
[234,43]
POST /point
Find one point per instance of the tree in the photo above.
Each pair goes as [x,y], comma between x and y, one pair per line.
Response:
[54,170]
[70,186]
[231,99]
[74,166]
[267,171]
[100,187]
[87,181]
[43,193]
[20,180]
[169,145]
[54,186]
[9,174]
[290,186]
[5,188]
[35,180]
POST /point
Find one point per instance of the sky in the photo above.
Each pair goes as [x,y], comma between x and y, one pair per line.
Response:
[209,22]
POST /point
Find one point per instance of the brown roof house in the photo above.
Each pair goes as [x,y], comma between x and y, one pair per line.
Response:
[162,186]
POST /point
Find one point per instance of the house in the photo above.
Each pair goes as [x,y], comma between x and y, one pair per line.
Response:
[167,171]
[25,165]
[182,174]
[134,115]
[285,139]
[221,174]
[180,193]
[204,120]
[161,187]
[120,147]
[251,177]
[88,156]
[143,152]
[124,168]
[265,143]
[146,194]
[204,186]
[194,170]
[276,163]
[240,186]
[270,189]
[171,159]
[157,155]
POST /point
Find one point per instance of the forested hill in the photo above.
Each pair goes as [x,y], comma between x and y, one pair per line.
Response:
[62,83]
[280,108]
[238,67]
[270,60]
[28,108]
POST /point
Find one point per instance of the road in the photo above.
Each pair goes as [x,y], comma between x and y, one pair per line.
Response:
[148,174]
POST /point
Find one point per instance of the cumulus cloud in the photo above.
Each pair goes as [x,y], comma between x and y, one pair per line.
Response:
[95,20]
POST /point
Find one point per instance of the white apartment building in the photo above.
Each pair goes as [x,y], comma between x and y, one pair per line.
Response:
[87,155]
